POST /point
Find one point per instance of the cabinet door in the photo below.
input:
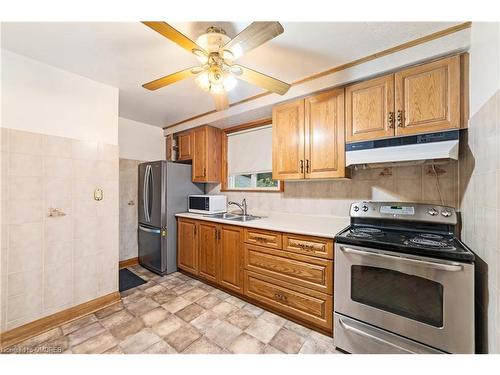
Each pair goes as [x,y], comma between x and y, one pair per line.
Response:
[428,97]
[185,146]
[231,258]
[207,250]
[169,154]
[369,109]
[187,251]
[200,154]
[288,141]
[324,135]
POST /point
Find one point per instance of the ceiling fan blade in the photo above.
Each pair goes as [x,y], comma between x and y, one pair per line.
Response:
[262,80]
[253,36]
[174,35]
[221,101]
[168,80]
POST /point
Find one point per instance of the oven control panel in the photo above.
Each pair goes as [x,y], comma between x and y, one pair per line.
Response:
[404,211]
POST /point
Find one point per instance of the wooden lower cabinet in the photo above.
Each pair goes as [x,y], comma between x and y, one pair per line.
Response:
[289,274]
[187,246]
[231,258]
[208,243]
[301,303]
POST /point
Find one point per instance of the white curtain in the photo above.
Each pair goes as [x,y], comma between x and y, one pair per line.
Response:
[250,151]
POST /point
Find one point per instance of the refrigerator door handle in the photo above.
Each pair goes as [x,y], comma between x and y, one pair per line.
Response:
[146,193]
[149,230]
[150,192]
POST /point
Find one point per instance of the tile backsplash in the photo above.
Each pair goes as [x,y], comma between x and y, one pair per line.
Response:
[417,183]
[50,263]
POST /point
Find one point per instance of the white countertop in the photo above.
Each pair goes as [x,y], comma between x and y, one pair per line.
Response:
[309,225]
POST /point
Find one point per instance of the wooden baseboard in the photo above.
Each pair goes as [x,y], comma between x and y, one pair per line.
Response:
[18,334]
[128,262]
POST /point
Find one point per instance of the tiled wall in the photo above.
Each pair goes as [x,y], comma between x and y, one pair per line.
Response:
[52,263]
[480,206]
[408,183]
[128,208]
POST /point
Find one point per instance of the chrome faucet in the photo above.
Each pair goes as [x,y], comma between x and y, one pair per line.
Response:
[242,206]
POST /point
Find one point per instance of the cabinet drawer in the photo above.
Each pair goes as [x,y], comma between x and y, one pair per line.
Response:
[306,271]
[263,238]
[313,246]
[302,303]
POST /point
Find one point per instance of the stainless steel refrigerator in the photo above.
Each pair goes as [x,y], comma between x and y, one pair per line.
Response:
[163,191]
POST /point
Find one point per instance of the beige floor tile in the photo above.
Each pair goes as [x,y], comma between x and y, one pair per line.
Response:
[143,306]
[167,326]
[176,304]
[183,288]
[85,333]
[241,318]
[262,330]
[44,337]
[297,328]
[182,338]
[154,316]
[78,323]
[203,346]
[114,350]
[116,319]
[273,318]
[194,294]
[287,341]
[161,347]
[312,346]
[208,301]
[190,312]
[95,345]
[235,301]
[257,311]
[155,288]
[133,297]
[223,334]
[246,344]
[223,309]
[107,311]
[271,350]
[130,327]
[58,345]
[164,296]
[206,321]
[139,341]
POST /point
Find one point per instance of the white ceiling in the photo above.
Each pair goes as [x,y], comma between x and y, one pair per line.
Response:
[126,55]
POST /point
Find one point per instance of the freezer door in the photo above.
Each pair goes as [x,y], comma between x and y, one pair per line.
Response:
[150,245]
[150,193]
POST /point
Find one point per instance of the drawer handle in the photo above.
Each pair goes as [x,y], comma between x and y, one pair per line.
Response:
[260,239]
[307,247]
[281,297]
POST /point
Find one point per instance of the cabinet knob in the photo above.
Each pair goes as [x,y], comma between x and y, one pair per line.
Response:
[400,118]
[390,120]
[302,166]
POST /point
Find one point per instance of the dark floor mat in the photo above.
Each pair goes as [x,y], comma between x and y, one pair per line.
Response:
[129,280]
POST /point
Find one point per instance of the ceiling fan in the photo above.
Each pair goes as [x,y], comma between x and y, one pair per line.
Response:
[216,53]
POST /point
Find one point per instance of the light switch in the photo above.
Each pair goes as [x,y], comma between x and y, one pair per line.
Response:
[98,194]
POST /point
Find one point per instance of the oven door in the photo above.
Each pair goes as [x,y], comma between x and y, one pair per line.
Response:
[424,299]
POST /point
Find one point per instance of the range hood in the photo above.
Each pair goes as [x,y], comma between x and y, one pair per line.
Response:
[416,149]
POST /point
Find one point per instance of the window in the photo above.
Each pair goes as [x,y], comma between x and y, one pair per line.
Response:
[249,160]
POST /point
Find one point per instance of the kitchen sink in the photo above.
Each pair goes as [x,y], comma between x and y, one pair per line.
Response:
[233,217]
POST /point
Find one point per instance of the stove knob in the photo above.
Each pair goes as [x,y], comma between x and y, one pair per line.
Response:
[446,213]
[365,208]
[432,211]
[356,208]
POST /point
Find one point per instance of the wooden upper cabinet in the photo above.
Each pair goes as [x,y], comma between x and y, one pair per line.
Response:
[231,257]
[185,146]
[187,253]
[207,151]
[288,141]
[208,256]
[369,109]
[324,135]
[428,97]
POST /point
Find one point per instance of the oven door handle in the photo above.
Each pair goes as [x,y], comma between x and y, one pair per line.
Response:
[453,267]
[360,332]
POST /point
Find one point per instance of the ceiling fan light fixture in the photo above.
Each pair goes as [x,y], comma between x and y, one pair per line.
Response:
[229,82]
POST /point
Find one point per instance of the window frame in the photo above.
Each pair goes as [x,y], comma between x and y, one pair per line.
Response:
[224,174]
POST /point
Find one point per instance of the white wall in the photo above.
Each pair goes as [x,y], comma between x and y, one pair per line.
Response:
[140,141]
[40,98]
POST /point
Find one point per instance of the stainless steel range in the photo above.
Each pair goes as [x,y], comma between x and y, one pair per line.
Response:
[404,283]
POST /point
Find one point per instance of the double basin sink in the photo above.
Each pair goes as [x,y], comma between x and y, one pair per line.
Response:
[233,217]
